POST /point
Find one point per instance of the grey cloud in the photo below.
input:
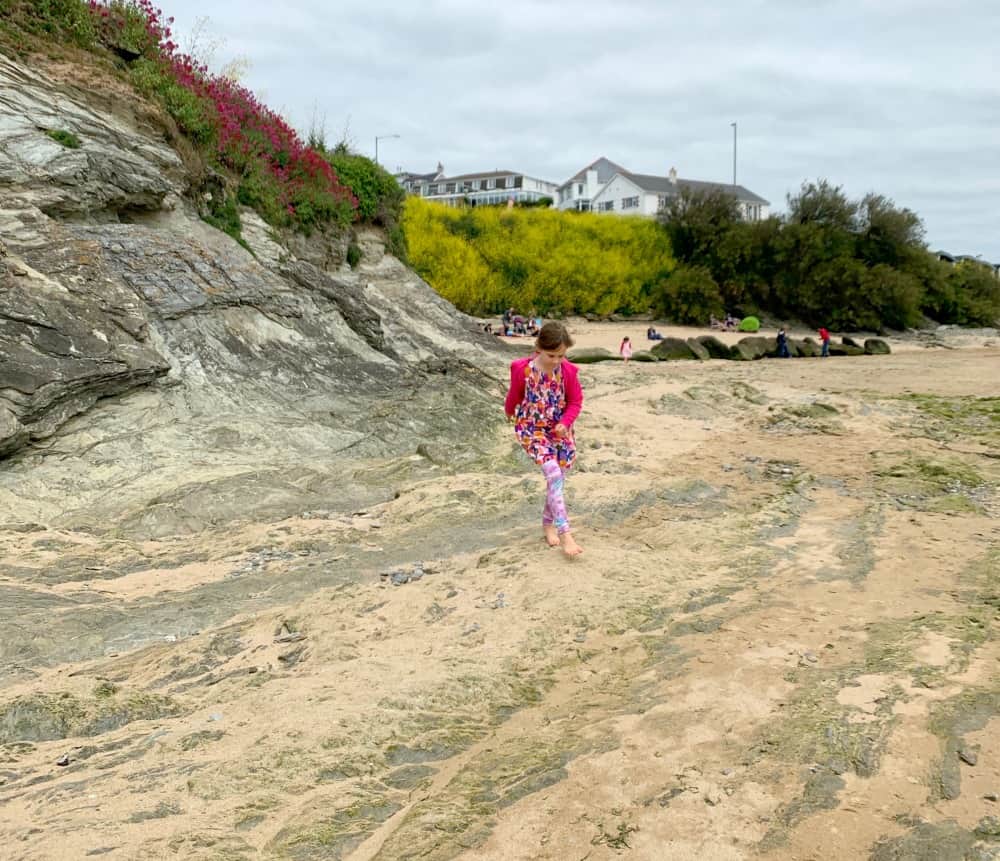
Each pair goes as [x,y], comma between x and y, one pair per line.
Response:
[895,96]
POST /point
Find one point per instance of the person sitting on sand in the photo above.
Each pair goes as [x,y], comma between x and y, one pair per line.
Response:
[653,335]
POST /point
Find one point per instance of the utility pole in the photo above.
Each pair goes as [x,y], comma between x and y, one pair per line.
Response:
[734,152]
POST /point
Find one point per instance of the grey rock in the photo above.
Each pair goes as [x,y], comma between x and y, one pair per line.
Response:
[968,756]
[876,347]
[673,349]
[752,348]
[590,355]
[700,351]
[714,347]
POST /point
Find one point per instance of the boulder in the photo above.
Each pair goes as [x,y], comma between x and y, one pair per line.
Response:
[877,347]
[644,356]
[808,347]
[700,351]
[845,350]
[673,349]
[848,341]
[716,349]
[589,355]
[749,349]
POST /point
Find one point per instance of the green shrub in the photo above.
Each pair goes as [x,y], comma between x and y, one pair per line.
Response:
[195,117]
[224,215]
[353,255]
[690,295]
[380,197]
[749,324]
[67,139]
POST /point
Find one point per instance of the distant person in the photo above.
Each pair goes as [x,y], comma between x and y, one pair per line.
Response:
[653,335]
[783,345]
[824,339]
[543,401]
[625,349]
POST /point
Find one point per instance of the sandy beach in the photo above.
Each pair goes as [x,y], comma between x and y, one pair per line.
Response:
[778,641]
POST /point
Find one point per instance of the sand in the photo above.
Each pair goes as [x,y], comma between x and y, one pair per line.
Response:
[781,631]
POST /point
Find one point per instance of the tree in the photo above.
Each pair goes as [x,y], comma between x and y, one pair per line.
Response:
[822,203]
[690,295]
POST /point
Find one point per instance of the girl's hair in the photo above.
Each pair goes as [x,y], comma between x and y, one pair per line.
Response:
[552,336]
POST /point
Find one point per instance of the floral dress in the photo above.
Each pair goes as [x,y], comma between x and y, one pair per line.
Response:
[535,418]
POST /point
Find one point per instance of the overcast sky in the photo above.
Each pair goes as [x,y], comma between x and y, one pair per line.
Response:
[897,96]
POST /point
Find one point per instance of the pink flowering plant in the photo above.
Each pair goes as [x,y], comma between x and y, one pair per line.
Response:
[288,182]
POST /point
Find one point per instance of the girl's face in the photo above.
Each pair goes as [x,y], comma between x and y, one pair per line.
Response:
[549,360]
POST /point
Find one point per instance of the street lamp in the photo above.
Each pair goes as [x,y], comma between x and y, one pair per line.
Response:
[381,138]
[734,152]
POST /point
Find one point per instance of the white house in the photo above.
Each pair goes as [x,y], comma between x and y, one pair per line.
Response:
[495,187]
[578,191]
[643,194]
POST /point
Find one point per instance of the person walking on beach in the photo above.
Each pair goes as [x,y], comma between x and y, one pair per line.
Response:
[544,399]
[824,339]
[625,348]
[783,345]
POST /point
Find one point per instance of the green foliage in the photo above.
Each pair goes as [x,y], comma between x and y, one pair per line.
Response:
[690,295]
[554,263]
[61,20]
[67,139]
[834,262]
[380,197]
[195,117]
[224,215]
[353,255]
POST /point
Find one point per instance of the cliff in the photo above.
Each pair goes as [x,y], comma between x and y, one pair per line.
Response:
[157,376]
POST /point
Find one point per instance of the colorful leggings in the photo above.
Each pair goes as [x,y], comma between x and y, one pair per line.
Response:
[554,513]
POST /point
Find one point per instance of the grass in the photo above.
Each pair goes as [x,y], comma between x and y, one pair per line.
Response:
[67,139]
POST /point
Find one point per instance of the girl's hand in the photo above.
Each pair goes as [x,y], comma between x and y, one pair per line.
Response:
[560,430]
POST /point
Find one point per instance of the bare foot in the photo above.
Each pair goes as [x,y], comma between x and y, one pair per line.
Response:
[569,546]
[551,535]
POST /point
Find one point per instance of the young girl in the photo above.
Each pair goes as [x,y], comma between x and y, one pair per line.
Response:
[625,348]
[544,400]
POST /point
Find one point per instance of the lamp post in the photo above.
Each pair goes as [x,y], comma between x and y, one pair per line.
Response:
[381,138]
[734,152]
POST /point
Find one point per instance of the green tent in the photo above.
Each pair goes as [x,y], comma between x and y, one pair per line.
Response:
[749,324]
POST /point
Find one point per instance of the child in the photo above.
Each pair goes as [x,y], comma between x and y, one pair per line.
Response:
[544,400]
[625,348]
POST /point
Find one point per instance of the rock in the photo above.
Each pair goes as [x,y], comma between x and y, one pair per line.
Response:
[756,347]
[969,757]
[699,350]
[63,760]
[991,796]
[845,350]
[850,342]
[713,796]
[988,828]
[590,355]
[644,356]
[716,349]
[876,347]
[672,349]
[808,347]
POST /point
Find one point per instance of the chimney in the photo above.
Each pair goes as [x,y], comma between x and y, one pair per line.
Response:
[672,176]
[440,170]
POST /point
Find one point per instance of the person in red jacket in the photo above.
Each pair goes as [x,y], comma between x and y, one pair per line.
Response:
[544,399]
[824,339]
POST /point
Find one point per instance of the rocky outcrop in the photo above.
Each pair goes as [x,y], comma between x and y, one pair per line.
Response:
[757,347]
[590,355]
[138,341]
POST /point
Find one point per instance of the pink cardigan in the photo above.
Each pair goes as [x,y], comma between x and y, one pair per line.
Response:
[571,385]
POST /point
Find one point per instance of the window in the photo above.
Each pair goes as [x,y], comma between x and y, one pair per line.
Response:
[630,202]
[606,206]
[661,201]
[432,188]
[450,188]
[502,182]
[491,183]
[579,188]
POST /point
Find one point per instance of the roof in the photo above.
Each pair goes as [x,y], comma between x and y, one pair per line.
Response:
[604,167]
[485,174]
[664,185]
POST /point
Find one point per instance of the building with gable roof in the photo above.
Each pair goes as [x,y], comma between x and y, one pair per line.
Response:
[580,189]
[628,193]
